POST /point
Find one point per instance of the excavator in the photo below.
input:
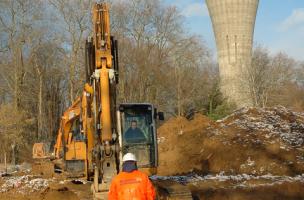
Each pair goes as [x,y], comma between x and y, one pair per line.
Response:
[91,139]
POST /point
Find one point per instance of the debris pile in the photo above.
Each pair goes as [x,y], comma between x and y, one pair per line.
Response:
[23,184]
[239,180]
[251,141]
[277,123]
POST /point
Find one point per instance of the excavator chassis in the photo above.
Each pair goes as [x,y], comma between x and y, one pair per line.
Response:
[171,190]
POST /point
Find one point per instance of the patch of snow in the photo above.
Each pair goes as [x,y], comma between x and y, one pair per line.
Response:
[250,162]
[276,122]
[24,184]
[239,180]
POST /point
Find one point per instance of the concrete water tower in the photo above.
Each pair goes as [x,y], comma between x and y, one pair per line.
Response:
[233,25]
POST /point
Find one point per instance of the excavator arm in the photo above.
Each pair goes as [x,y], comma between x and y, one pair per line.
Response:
[103,83]
[103,68]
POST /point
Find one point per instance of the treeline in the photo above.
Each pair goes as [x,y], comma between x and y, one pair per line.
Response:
[276,80]
[42,66]
[160,61]
[41,63]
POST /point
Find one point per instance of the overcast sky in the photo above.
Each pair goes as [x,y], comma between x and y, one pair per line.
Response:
[279,24]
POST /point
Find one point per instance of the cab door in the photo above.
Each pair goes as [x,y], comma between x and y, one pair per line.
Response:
[138,134]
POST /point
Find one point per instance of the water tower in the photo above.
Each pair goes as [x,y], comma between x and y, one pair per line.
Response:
[233,25]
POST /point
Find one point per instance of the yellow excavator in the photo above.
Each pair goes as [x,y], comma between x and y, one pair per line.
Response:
[91,139]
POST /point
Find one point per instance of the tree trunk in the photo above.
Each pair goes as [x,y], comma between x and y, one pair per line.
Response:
[178,91]
[211,105]
[18,75]
[13,154]
[72,72]
[16,84]
[39,133]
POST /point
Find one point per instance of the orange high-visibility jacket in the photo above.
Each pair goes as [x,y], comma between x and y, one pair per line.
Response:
[131,186]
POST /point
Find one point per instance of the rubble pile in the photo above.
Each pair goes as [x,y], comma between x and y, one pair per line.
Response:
[23,184]
[251,141]
[277,123]
[232,181]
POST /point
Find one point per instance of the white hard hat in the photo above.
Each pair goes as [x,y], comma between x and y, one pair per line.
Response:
[129,157]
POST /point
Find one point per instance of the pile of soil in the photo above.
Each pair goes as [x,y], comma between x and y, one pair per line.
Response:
[179,144]
[250,141]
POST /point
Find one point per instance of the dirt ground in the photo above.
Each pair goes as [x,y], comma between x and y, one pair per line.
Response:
[25,186]
[218,190]
[251,154]
[218,187]
[285,191]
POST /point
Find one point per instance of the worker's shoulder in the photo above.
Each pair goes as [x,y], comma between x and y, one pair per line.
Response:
[141,174]
[118,177]
[130,175]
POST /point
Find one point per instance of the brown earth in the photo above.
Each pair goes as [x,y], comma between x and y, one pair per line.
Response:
[48,194]
[58,194]
[179,140]
[250,141]
[251,154]
[56,189]
[219,190]
[284,191]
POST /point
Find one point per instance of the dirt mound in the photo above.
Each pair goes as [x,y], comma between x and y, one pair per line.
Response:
[177,138]
[250,141]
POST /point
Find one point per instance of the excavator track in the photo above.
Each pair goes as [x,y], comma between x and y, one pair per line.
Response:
[172,190]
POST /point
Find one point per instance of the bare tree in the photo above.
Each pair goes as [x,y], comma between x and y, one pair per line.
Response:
[17,20]
[160,62]
[44,59]
[30,67]
[267,76]
[74,22]
[13,130]
[258,74]
[282,69]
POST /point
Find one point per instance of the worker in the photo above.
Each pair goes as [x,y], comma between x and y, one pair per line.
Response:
[131,184]
[134,134]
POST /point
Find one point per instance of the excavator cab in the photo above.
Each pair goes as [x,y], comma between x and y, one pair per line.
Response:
[138,134]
